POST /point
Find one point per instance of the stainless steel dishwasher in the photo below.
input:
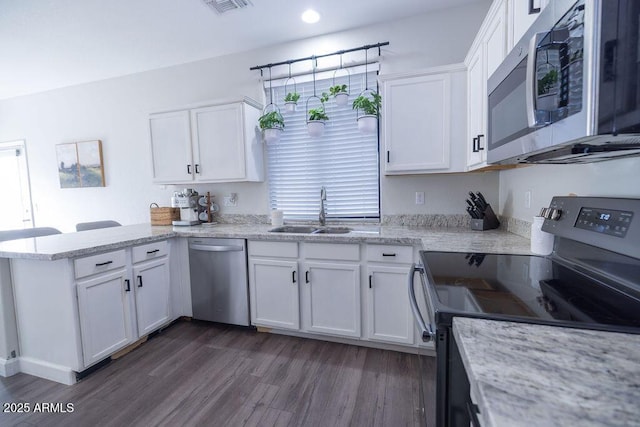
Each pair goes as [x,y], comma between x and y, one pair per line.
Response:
[219,286]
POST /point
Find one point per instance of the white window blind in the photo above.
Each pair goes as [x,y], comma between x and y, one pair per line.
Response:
[343,160]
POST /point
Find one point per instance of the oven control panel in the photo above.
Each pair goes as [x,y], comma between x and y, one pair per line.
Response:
[608,221]
[603,222]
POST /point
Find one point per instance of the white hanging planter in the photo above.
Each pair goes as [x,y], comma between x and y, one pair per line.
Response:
[315,128]
[368,123]
[341,98]
[271,135]
[290,106]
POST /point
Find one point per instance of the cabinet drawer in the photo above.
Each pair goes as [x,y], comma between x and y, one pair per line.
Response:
[273,249]
[337,251]
[390,253]
[99,263]
[149,251]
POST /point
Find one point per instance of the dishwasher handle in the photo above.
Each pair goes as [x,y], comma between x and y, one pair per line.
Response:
[217,248]
[426,331]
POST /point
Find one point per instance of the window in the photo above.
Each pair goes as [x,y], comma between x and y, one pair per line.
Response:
[343,160]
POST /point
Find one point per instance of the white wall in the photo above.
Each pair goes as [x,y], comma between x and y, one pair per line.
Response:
[615,178]
[115,111]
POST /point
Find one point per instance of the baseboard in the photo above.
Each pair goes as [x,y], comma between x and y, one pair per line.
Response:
[9,367]
[49,371]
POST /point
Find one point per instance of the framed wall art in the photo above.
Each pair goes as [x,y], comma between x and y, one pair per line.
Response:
[80,164]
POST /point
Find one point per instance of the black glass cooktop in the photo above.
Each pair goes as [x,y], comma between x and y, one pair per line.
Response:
[527,288]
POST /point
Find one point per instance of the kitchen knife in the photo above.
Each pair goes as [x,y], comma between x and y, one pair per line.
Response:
[472,212]
[482,201]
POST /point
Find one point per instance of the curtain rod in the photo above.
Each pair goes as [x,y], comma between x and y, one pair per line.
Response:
[314,57]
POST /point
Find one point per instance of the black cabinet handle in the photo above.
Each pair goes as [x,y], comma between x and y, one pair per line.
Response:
[153,251]
[100,264]
[387,254]
[139,281]
[387,156]
[532,8]
[189,169]
[480,148]
[475,143]
[473,411]
[306,276]
[293,276]
[197,168]
[370,279]
[128,288]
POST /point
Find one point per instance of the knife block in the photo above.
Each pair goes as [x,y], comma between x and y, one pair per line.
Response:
[489,220]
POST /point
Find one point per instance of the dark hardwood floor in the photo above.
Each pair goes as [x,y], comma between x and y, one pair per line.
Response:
[202,374]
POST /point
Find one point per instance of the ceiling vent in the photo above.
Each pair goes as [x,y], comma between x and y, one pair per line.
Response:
[222,6]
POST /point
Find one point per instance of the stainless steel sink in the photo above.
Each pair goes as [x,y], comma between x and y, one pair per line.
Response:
[306,229]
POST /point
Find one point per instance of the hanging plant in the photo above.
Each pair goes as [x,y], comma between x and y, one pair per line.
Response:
[370,107]
[317,117]
[272,125]
[340,94]
[290,101]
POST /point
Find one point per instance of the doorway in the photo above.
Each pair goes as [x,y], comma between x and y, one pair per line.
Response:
[15,191]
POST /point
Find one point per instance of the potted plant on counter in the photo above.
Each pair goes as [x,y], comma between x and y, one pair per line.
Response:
[370,107]
[290,101]
[317,117]
[272,125]
[340,94]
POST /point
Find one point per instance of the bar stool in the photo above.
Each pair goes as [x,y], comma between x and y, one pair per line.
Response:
[83,226]
[27,232]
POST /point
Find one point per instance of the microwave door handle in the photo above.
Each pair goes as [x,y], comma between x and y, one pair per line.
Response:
[531,83]
[426,332]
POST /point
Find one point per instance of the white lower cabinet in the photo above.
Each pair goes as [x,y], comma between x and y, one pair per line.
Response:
[319,288]
[104,304]
[152,295]
[331,298]
[274,298]
[388,307]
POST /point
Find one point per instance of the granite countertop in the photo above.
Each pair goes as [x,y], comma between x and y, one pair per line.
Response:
[71,245]
[537,375]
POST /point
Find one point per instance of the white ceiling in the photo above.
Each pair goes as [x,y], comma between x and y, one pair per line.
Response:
[47,44]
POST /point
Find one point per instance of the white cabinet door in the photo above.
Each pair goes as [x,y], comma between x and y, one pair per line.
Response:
[171,147]
[218,139]
[476,99]
[104,304]
[332,298]
[388,309]
[274,297]
[152,295]
[415,123]
[521,18]
[495,39]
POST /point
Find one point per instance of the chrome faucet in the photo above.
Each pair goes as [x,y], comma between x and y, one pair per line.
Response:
[323,211]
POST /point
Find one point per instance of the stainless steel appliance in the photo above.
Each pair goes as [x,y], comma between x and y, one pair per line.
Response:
[219,286]
[187,201]
[590,281]
[569,91]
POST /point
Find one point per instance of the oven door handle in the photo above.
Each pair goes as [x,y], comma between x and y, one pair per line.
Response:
[426,331]
[531,83]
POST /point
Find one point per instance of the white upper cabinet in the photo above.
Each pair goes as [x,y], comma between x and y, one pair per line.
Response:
[521,17]
[423,121]
[487,52]
[217,143]
[171,147]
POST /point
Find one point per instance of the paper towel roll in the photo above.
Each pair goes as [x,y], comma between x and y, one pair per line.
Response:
[541,241]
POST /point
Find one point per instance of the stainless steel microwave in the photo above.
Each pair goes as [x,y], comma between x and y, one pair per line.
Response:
[569,91]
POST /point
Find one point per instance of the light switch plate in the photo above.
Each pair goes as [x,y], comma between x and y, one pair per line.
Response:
[419,197]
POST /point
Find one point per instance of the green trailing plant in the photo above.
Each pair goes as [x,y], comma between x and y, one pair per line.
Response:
[271,120]
[292,97]
[334,90]
[370,106]
[319,113]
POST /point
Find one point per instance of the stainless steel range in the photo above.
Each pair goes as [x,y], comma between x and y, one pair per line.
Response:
[590,281]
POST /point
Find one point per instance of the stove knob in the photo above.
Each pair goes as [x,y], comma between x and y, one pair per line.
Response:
[555,214]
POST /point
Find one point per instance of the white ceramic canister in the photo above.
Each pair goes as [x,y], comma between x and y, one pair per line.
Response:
[541,241]
[277,217]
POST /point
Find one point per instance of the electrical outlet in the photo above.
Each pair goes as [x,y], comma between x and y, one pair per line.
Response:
[419,197]
[527,199]
[230,200]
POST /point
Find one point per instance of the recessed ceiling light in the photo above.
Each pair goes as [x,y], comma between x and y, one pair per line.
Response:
[310,16]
